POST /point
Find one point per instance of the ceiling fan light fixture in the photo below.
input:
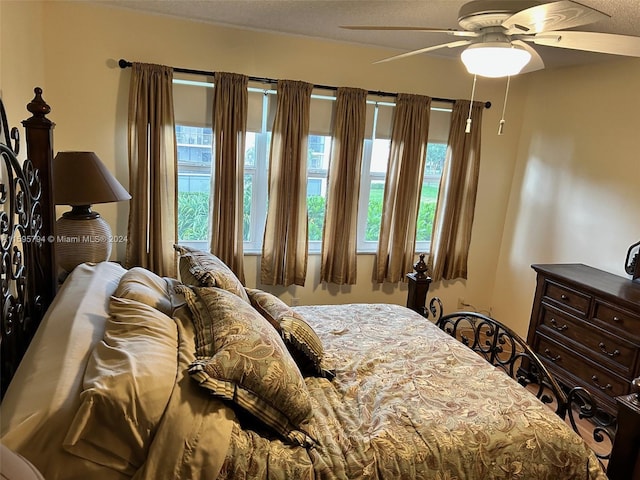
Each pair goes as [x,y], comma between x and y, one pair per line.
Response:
[494,59]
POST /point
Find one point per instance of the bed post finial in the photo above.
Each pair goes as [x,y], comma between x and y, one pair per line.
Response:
[418,287]
[420,267]
[38,107]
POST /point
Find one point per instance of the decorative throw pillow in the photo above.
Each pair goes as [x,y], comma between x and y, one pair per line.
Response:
[241,358]
[305,346]
[204,269]
[270,306]
[301,340]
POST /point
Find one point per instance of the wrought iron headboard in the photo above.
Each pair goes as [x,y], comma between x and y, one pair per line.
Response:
[27,262]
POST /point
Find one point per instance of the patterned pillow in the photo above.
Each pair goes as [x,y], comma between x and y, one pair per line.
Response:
[204,269]
[302,342]
[241,358]
[270,306]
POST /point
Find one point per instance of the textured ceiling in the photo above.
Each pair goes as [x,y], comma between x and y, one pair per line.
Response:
[322,19]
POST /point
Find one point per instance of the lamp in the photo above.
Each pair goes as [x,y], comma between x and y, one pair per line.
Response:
[494,59]
[80,179]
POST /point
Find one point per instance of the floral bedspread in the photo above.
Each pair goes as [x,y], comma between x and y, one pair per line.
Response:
[408,401]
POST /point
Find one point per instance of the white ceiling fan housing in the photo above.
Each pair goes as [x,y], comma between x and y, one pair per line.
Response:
[510,28]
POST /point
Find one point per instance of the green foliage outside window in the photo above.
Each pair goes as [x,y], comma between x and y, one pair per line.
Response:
[315,213]
[193,213]
[428,199]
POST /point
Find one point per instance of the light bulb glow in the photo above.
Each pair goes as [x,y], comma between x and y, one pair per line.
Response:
[495,59]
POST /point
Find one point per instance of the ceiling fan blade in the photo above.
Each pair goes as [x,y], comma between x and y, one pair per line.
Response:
[450,31]
[591,42]
[552,16]
[459,43]
[535,63]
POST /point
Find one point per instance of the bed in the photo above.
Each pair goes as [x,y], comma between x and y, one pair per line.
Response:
[122,374]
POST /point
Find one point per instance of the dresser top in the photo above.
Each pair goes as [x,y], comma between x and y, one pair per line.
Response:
[595,280]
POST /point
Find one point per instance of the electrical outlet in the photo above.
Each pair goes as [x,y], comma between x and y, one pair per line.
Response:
[295,301]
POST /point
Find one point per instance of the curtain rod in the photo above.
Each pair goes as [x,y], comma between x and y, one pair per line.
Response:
[126,64]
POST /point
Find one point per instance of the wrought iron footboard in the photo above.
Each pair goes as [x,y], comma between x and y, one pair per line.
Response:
[503,348]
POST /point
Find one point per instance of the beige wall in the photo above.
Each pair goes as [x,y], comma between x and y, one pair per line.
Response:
[575,193]
[74,58]
[21,56]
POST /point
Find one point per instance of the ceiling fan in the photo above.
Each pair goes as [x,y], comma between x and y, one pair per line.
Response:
[498,35]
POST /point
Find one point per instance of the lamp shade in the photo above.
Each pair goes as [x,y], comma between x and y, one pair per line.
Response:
[80,178]
[494,59]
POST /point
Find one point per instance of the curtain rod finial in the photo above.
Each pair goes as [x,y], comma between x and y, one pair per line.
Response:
[123,63]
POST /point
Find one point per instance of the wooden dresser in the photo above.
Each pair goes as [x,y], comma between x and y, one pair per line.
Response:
[585,326]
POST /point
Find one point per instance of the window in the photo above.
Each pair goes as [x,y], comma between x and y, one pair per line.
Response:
[436,153]
[255,188]
[194,144]
[194,183]
[374,169]
[319,148]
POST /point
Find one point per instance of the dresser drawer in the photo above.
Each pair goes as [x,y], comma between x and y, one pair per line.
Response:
[572,300]
[620,319]
[596,343]
[597,378]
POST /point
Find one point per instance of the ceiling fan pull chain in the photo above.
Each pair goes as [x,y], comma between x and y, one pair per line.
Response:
[504,107]
[473,92]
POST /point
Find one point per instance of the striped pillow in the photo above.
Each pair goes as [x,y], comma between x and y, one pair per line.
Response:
[302,342]
[204,269]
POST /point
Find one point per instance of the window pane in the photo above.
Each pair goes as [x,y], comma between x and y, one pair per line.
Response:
[193,215]
[428,199]
[436,153]
[194,182]
[315,213]
[250,150]
[319,151]
[377,172]
[380,155]
[374,212]
[246,207]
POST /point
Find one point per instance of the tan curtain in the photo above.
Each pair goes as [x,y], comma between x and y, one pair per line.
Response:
[339,236]
[284,247]
[230,105]
[457,196]
[152,228]
[409,136]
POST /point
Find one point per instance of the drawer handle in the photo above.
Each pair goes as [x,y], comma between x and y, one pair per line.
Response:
[603,348]
[549,355]
[594,379]
[564,297]
[616,319]
[555,325]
